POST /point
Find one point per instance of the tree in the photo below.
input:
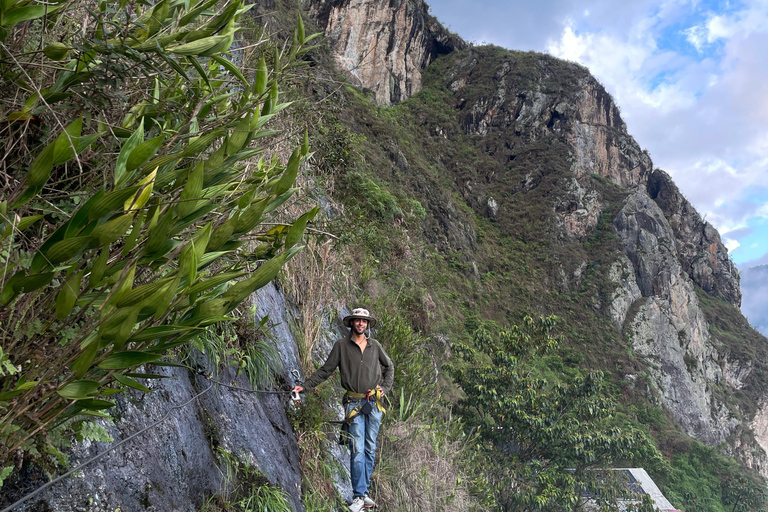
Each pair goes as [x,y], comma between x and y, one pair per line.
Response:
[133,206]
[742,494]
[546,441]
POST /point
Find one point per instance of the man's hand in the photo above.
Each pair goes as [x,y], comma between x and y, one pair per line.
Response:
[381,390]
[297,389]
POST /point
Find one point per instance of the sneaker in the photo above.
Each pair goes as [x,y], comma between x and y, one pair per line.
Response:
[368,502]
[357,504]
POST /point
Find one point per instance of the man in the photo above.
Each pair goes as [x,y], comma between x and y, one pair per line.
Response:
[360,360]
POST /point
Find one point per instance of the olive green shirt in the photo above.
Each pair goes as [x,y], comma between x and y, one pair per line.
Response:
[360,370]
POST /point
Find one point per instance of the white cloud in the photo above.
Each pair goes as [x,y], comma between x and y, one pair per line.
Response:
[731,244]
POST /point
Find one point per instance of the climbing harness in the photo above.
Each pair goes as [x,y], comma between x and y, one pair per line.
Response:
[365,407]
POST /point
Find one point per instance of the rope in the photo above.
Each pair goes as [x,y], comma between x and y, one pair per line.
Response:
[170,411]
[111,448]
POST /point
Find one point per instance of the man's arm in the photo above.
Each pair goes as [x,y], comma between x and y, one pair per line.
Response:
[323,372]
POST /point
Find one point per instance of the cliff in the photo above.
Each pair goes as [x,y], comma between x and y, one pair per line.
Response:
[383,46]
[529,196]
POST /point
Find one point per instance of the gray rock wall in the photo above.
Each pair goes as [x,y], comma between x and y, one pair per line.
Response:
[176,466]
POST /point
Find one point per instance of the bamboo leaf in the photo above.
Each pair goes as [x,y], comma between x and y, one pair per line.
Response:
[127,381]
[110,231]
[41,167]
[98,268]
[79,389]
[239,135]
[127,359]
[297,229]
[65,300]
[301,34]
[66,143]
[111,202]
[260,83]
[69,248]
[143,152]
[229,66]
[83,362]
[192,191]
[27,284]
[289,175]
[214,281]
[125,152]
[158,333]
[28,12]
[94,405]
[247,220]
[263,275]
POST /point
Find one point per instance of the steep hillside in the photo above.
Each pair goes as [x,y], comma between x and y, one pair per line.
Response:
[460,186]
[537,199]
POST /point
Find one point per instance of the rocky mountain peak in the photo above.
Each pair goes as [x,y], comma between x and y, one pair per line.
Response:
[384,46]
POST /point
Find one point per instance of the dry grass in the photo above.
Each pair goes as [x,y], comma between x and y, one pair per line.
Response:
[418,471]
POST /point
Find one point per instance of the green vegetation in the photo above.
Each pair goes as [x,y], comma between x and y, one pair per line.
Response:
[132,201]
[546,438]
[457,266]
[142,187]
[247,490]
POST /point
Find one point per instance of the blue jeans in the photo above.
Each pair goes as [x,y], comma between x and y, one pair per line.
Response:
[363,431]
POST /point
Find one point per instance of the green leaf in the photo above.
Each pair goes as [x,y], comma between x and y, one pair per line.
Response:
[248,219]
[95,405]
[83,362]
[263,275]
[127,359]
[121,166]
[25,222]
[66,143]
[297,229]
[28,12]
[141,293]
[41,167]
[239,135]
[98,268]
[67,249]
[289,175]
[79,389]
[221,234]
[214,281]
[65,300]
[33,282]
[110,231]
[158,235]
[127,381]
[159,332]
[143,152]
[300,30]
[195,12]
[57,51]
[112,202]
[9,290]
[229,66]
[192,191]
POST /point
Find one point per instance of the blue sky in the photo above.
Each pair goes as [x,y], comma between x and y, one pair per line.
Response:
[690,77]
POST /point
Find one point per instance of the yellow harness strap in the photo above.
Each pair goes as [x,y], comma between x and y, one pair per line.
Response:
[376,394]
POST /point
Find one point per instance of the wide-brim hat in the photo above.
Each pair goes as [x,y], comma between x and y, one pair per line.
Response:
[360,313]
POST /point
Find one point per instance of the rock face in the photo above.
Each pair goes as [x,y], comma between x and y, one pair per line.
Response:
[669,329]
[177,464]
[701,251]
[515,100]
[383,46]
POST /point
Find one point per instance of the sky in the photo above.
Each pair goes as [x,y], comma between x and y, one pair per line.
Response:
[690,78]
